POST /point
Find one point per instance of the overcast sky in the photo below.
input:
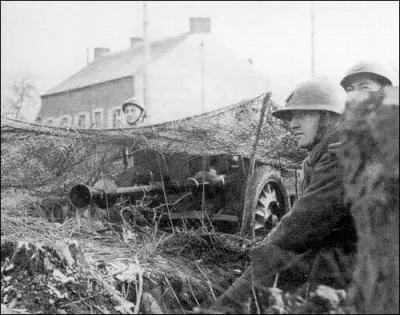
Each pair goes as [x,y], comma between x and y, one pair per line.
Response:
[49,40]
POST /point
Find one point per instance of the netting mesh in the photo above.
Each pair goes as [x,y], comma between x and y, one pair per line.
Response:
[52,159]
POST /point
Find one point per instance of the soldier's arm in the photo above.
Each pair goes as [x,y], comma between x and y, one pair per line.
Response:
[317,214]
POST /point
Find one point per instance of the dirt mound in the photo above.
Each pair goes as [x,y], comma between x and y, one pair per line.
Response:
[47,280]
[60,279]
[82,266]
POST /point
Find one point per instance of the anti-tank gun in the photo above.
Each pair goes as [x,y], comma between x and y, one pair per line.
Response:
[216,194]
[105,193]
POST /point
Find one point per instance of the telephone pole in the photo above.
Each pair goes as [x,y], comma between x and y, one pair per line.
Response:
[312,40]
[146,81]
[203,105]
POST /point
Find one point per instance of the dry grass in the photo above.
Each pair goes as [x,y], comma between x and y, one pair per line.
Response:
[160,253]
[22,219]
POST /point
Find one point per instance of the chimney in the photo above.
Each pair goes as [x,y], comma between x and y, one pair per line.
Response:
[100,51]
[135,41]
[200,25]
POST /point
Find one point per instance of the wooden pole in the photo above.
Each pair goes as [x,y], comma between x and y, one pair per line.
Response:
[203,105]
[247,211]
[312,40]
[146,81]
[203,110]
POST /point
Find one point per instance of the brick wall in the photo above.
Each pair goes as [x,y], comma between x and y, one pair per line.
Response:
[86,101]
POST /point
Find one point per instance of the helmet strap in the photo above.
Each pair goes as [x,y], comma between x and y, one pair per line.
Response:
[327,123]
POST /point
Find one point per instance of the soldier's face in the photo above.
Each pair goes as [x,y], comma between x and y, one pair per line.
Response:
[360,86]
[132,113]
[304,125]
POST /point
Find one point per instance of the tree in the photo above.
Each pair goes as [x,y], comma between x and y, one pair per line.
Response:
[22,91]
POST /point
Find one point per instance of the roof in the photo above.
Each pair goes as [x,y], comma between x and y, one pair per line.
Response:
[116,65]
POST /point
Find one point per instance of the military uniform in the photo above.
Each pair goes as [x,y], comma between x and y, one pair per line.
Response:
[130,174]
[316,242]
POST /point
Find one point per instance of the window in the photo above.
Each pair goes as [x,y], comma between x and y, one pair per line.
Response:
[116,118]
[82,120]
[65,120]
[49,121]
[97,118]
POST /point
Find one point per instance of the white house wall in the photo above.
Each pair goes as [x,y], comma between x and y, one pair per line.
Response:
[175,79]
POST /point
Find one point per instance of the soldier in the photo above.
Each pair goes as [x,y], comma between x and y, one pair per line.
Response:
[134,115]
[134,112]
[315,243]
[133,174]
[364,78]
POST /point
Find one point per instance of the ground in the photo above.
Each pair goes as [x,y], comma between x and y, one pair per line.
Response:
[85,265]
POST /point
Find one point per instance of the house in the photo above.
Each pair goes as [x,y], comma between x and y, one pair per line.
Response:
[185,71]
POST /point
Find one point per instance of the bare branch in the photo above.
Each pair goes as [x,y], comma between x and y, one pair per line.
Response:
[22,90]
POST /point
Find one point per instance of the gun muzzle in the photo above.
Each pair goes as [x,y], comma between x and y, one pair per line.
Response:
[82,195]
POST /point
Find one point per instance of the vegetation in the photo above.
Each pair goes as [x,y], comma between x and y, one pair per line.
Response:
[22,93]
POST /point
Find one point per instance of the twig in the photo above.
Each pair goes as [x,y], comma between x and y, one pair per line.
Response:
[164,192]
[89,306]
[191,290]
[117,272]
[276,280]
[173,292]
[140,291]
[173,203]
[208,281]
[83,299]
[253,289]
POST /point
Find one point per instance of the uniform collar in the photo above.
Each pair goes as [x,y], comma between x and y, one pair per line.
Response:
[330,142]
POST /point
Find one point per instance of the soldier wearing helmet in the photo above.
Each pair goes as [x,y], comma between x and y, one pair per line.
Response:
[319,103]
[315,242]
[364,78]
[134,112]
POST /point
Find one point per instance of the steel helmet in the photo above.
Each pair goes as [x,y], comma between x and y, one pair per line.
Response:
[132,101]
[314,94]
[376,70]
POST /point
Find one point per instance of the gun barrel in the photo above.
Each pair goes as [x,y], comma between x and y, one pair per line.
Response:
[82,195]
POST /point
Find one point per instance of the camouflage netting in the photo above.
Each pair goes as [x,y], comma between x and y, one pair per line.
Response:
[51,159]
[371,176]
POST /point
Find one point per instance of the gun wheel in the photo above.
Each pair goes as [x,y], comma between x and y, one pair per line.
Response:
[269,202]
